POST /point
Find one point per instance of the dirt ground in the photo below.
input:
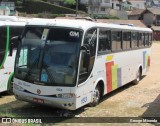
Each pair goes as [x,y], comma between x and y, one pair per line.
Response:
[142,100]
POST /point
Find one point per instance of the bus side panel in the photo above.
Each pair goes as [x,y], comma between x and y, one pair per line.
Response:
[119,76]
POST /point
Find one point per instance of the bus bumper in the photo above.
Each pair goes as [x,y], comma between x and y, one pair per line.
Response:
[63,103]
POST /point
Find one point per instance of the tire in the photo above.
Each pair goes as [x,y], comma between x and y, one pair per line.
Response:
[138,77]
[96,96]
[10,90]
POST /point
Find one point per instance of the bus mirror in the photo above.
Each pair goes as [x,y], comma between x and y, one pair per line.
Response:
[11,49]
[13,40]
[86,60]
[86,55]
[85,48]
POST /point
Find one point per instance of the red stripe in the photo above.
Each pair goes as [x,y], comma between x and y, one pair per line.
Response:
[109,76]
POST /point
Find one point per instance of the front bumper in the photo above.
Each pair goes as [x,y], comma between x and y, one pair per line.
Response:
[63,103]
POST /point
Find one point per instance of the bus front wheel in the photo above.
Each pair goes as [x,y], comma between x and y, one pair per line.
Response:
[10,90]
[95,96]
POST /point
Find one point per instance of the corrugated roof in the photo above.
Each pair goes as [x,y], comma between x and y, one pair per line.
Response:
[137,12]
[155,28]
[155,11]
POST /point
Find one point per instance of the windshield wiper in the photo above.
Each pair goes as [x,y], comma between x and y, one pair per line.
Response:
[45,66]
[30,69]
[22,66]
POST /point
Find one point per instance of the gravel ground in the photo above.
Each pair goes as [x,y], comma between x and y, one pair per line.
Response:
[142,100]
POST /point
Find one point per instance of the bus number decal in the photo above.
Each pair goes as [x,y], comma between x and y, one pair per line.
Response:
[83,100]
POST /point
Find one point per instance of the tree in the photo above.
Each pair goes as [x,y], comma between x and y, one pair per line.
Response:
[70,2]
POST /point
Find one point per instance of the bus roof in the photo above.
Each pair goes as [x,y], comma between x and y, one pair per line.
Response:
[83,24]
[13,18]
[10,23]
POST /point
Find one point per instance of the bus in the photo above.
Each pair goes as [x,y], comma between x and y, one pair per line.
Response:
[8,29]
[71,63]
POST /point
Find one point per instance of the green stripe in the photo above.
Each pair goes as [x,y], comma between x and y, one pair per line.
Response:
[7,46]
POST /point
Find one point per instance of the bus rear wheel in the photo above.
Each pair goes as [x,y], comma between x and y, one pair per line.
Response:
[96,96]
[138,77]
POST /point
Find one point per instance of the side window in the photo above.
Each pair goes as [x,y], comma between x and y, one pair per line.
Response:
[146,41]
[3,35]
[116,40]
[150,39]
[134,40]
[104,45]
[140,40]
[90,41]
[126,40]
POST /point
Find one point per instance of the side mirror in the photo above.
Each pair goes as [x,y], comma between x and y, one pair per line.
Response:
[86,61]
[13,40]
[86,55]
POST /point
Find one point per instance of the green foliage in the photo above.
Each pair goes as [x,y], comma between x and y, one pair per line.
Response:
[45,15]
[105,17]
[70,2]
[36,7]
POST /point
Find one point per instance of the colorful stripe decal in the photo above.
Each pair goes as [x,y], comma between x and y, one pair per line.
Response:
[114,77]
[109,75]
[146,60]
[109,58]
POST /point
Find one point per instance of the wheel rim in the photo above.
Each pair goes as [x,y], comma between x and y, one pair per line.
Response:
[96,95]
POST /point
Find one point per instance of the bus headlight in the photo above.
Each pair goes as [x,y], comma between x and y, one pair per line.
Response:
[17,87]
[65,95]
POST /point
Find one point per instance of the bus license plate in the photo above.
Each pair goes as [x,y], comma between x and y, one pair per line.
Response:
[38,100]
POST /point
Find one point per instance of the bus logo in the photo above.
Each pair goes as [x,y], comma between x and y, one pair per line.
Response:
[74,34]
[38,91]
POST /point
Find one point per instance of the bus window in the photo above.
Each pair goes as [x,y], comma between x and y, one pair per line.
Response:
[2,44]
[141,38]
[146,40]
[126,40]
[150,39]
[15,31]
[104,41]
[90,39]
[116,40]
[134,41]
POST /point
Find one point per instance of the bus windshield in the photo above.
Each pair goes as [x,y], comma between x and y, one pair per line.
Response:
[49,56]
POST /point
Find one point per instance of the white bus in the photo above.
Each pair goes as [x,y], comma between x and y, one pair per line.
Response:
[8,29]
[71,63]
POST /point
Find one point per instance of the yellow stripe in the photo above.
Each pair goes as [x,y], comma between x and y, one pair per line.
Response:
[110,57]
